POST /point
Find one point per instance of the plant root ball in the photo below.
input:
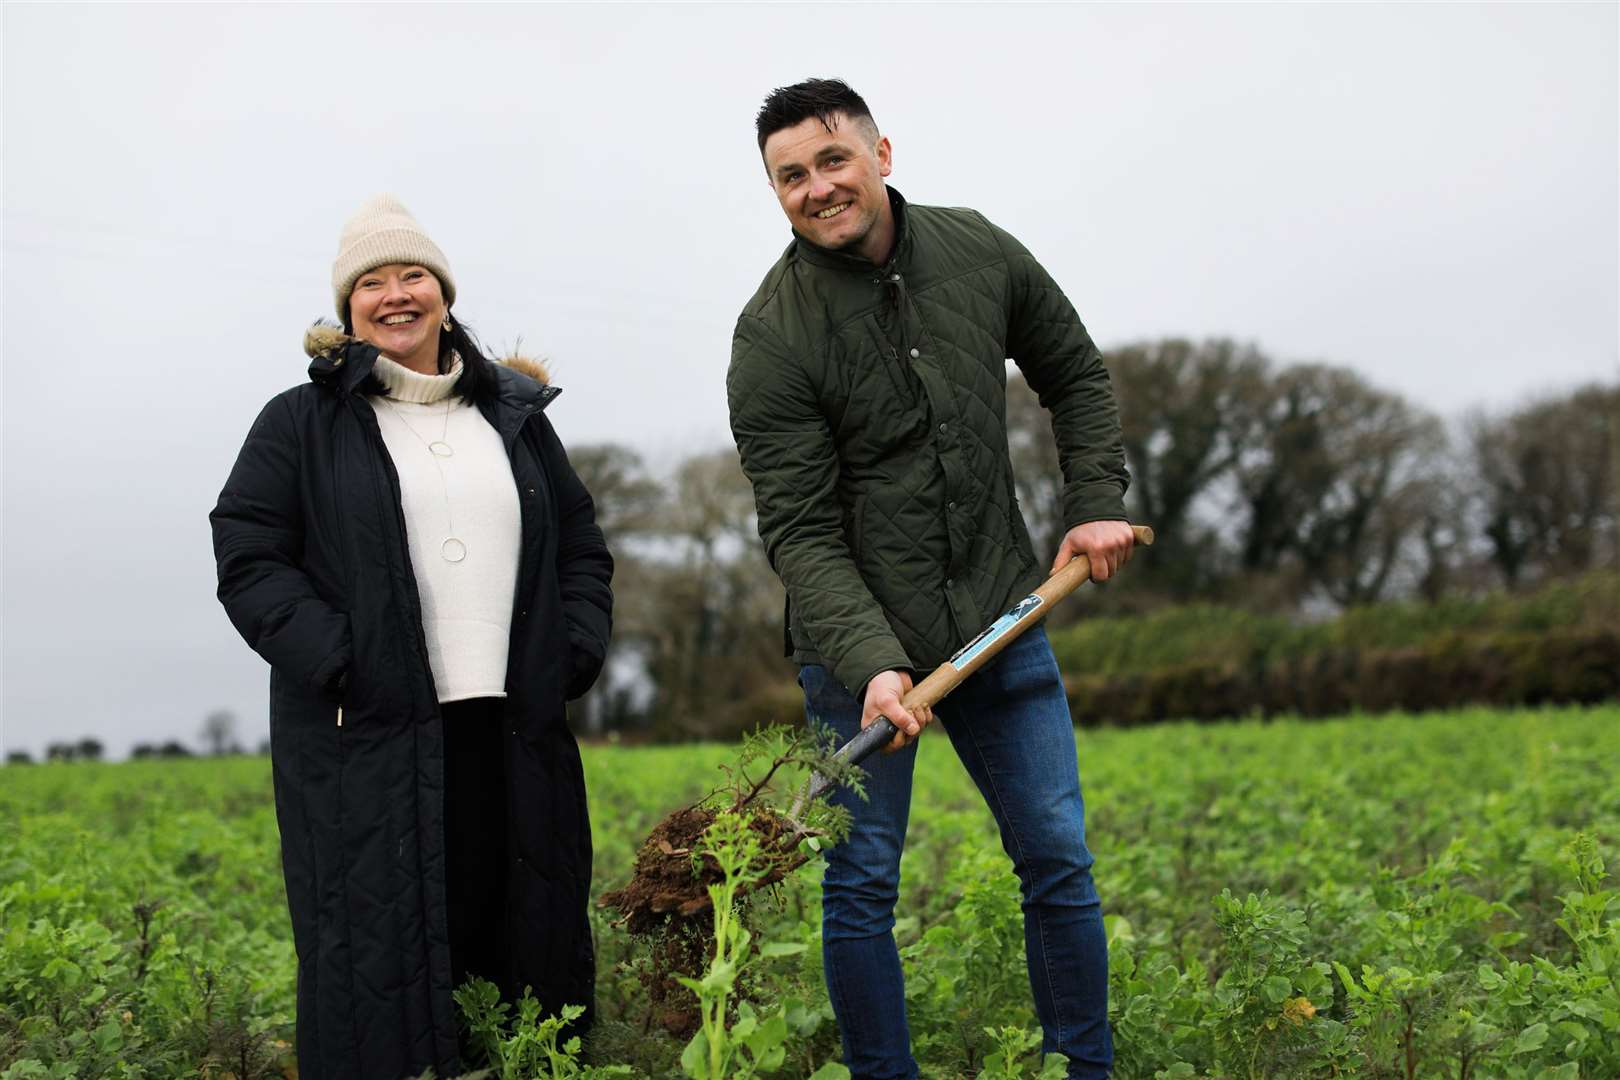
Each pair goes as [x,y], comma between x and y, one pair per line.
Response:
[666,904]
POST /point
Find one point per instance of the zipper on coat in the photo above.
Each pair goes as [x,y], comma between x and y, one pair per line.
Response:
[413,594]
[524,584]
[340,716]
[396,497]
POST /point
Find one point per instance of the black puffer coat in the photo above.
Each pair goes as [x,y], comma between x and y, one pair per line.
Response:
[314,572]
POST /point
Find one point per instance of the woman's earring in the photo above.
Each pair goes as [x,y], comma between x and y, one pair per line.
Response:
[446,323]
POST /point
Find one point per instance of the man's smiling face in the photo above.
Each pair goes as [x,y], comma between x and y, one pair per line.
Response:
[830,184]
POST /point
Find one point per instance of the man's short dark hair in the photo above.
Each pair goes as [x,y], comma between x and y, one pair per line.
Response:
[823,99]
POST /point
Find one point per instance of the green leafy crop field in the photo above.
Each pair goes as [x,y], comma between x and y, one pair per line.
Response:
[1398,896]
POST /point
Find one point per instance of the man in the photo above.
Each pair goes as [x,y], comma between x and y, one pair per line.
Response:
[866,390]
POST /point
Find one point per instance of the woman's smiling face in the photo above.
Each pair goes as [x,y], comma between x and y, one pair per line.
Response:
[399,307]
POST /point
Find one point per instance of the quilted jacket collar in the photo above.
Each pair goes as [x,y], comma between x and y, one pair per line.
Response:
[857,264]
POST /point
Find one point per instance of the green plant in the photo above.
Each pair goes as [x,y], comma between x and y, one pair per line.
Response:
[753,1044]
[1265,998]
[967,968]
[1564,1016]
[527,1047]
[1012,1044]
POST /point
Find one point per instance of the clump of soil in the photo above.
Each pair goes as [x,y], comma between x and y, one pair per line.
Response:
[666,883]
[666,904]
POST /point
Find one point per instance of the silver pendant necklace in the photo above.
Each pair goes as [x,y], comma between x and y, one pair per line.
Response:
[453,549]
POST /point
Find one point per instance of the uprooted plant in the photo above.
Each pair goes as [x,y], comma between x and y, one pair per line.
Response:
[700,866]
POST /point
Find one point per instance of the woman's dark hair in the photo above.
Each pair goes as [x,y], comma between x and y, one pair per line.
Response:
[823,99]
[477,382]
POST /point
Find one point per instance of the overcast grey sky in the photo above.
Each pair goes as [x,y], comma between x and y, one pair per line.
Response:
[1427,194]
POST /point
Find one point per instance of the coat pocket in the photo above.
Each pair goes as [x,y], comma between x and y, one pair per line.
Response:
[1017,528]
[857,528]
[887,356]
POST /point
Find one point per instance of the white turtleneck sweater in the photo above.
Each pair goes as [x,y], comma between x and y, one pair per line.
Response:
[468,496]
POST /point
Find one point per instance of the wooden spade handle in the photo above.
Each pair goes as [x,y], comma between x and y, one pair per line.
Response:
[978,652]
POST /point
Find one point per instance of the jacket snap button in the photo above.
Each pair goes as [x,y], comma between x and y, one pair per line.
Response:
[950,506]
[894,277]
[916,353]
[942,429]
[949,582]
[531,491]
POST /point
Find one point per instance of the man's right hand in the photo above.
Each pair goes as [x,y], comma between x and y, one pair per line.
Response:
[883,697]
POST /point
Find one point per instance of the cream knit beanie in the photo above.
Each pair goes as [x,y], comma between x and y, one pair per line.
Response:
[382,231]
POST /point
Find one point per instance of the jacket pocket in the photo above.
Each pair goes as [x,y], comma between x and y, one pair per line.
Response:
[1017,529]
[583,666]
[857,528]
[887,356]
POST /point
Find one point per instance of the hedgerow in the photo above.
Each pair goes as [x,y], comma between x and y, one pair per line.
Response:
[1238,639]
[1558,645]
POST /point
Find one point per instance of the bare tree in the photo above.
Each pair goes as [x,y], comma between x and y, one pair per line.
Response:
[1331,488]
[627,498]
[1448,537]
[1188,413]
[1546,476]
[218,727]
[1037,477]
[711,608]
[629,502]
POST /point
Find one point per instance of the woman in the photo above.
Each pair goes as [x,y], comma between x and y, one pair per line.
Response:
[402,538]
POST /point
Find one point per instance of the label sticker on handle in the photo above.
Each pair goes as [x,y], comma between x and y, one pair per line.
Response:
[996,630]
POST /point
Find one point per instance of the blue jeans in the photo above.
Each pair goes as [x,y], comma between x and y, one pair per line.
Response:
[1010,726]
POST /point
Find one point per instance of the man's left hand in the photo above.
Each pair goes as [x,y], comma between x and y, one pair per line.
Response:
[1107,544]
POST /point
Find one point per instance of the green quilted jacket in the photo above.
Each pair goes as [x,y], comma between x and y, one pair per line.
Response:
[869,407]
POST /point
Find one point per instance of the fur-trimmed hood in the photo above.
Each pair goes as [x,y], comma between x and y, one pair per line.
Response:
[326,339]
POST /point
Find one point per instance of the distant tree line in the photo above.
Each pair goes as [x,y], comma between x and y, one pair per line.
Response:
[1296,489]
[217,733]
[1304,487]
